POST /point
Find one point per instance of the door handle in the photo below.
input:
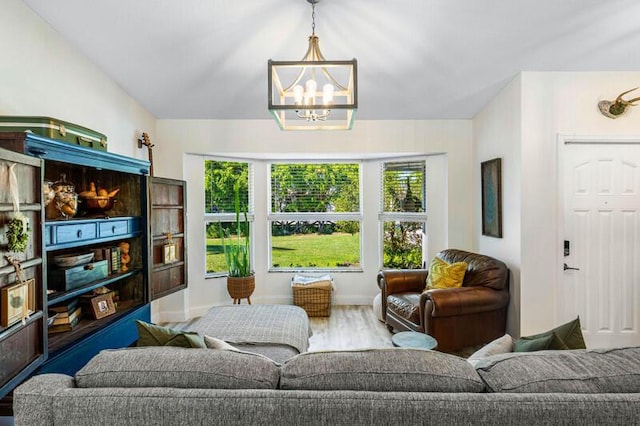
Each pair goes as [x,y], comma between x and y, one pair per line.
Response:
[567,268]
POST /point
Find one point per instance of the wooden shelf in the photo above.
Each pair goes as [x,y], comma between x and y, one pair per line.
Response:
[58,341]
[14,328]
[57,297]
[164,237]
[6,207]
[36,261]
[166,206]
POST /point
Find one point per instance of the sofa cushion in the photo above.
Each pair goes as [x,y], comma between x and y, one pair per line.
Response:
[157,335]
[573,371]
[445,275]
[383,370]
[178,368]
[501,345]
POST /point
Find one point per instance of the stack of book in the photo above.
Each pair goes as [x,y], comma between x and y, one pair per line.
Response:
[111,255]
[68,316]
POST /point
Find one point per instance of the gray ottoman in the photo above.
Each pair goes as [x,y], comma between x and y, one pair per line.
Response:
[276,331]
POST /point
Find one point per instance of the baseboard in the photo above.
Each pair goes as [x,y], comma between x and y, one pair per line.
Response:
[198,311]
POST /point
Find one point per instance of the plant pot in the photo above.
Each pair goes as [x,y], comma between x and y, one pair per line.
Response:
[241,288]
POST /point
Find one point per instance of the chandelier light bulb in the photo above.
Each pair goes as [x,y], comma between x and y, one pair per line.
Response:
[311,90]
[298,94]
[327,94]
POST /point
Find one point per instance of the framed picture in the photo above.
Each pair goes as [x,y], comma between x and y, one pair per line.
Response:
[169,253]
[103,306]
[491,172]
[17,302]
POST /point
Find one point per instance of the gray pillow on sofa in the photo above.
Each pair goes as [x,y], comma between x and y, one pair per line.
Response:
[179,368]
[501,345]
[384,370]
[569,371]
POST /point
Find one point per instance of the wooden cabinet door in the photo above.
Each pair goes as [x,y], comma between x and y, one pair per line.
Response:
[168,236]
[22,341]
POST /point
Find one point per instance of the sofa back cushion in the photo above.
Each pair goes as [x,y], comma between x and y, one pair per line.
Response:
[481,270]
[569,371]
[178,368]
[383,370]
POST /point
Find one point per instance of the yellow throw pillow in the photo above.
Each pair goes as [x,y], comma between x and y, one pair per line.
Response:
[445,275]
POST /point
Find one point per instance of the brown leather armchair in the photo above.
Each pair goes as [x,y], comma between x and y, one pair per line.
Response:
[457,318]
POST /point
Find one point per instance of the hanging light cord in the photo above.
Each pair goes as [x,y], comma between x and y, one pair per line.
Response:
[313,18]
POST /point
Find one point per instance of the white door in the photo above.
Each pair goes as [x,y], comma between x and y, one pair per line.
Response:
[602,226]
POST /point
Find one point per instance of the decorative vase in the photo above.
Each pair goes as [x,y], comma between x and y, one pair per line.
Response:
[241,288]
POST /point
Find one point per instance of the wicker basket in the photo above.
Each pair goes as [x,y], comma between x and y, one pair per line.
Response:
[314,298]
[241,288]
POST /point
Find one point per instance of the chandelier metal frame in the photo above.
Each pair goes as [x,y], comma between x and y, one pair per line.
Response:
[294,111]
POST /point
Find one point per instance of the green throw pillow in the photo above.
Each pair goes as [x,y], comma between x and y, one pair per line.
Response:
[156,335]
[568,336]
[531,345]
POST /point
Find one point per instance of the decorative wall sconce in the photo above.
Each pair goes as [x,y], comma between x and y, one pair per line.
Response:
[618,107]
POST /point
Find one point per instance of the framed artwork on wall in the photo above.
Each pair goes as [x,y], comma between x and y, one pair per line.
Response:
[491,173]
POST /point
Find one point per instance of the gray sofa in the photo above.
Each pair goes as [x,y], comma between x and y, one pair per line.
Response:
[175,386]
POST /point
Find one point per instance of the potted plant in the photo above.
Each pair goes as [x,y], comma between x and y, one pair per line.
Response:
[241,280]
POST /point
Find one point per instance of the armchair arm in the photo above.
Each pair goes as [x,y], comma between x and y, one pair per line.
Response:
[464,301]
[400,281]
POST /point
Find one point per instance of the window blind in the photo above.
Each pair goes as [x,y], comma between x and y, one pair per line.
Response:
[403,187]
[315,188]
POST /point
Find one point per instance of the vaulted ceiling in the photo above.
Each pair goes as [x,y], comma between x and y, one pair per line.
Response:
[417,59]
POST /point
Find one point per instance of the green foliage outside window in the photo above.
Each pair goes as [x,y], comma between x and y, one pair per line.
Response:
[403,192]
[219,180]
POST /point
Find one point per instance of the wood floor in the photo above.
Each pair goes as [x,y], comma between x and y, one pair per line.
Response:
[348,327]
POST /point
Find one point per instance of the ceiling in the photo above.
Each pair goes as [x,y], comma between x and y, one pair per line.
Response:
[417,59]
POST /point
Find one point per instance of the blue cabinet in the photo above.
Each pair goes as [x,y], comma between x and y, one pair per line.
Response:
[124,227]
[117,334]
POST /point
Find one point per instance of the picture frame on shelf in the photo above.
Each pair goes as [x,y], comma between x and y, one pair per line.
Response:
[18,301]
[102,305]
[491,177]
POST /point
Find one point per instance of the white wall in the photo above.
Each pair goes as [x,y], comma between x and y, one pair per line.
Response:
[496,134]
[522,125]
[181,143]
[556,103]
[40,74]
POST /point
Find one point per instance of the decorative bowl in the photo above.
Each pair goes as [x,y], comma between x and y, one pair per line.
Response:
[99,203]
[69,260]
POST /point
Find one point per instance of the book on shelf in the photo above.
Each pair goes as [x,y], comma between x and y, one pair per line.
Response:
[111,255]
[64,307]
[115,260]
[61,328]
[67,318]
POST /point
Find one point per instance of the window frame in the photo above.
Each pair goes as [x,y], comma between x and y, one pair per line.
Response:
[384,216]
[229,217]
[311,216]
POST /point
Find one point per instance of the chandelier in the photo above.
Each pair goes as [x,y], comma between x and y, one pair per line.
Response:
[318,95]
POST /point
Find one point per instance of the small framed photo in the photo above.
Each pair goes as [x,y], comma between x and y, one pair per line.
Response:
[103,306]
[491,174]
[169,253]
[17,302]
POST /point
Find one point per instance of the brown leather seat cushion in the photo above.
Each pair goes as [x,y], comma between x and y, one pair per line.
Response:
[405,305]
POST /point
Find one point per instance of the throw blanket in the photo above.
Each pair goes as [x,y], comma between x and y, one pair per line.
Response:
[257,324]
